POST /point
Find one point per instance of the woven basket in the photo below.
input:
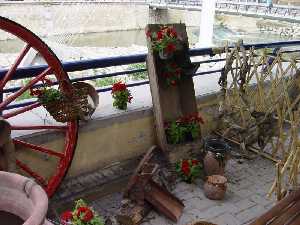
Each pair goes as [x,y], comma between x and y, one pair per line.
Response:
[69,108]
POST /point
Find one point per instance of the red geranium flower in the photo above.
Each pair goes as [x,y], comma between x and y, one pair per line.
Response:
[129,99]
[195,162]
[173,82]
[170,48]
[88,216]
[148,33]
[186,170]
[36,92]
[86,212]
[159,35]
[119,86]
[66,217]
[47,81]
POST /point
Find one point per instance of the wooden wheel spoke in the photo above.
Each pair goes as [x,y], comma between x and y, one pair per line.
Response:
[13,68]
[39,148]
[21,110]
[25,168]
[25,88]
[63,158]
[40,127]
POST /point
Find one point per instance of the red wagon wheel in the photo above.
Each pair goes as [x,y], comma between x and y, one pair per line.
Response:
[31,155]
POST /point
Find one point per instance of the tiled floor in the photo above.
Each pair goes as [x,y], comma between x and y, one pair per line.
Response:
[248,183]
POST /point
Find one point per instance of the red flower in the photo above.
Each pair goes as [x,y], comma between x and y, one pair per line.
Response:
[173,82]
[119,86]
[159,35]
[36,92]
[47,81]
[170,48]
[195,162]
[130,98]
[173,65]
[172,32]
[167,74]
[66,217]
[88,216]
[185,167]
[86,212]
[148,33]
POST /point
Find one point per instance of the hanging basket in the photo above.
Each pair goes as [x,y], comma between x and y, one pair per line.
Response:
[69,107]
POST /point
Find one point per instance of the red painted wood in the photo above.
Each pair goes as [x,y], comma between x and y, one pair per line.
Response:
[38,148]
[25,88]
[70,129]
[12,70]
[21,110]
[70,142]
[37,177]
[41,127]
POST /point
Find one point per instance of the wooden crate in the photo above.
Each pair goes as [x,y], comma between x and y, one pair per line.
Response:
[172,102]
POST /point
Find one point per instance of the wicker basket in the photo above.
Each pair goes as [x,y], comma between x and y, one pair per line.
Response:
[69,108]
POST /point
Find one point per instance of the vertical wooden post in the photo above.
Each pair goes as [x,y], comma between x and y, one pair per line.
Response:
[7,148]
[172,102]
[278,180]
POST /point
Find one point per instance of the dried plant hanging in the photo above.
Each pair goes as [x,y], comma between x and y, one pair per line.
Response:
[259,105]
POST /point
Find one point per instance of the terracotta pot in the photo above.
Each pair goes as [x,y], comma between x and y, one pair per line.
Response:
[215,187]
[212,165]
[22,197]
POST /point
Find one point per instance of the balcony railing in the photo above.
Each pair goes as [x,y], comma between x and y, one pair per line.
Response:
[29,72]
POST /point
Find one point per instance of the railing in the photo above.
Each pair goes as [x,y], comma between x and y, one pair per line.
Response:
[32,71]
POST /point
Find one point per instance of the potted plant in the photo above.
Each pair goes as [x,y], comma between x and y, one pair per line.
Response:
[188,169]
[184,129]
[172,73]
[81,215]
[63,107]
[121,95]
[165,41]
[46,94]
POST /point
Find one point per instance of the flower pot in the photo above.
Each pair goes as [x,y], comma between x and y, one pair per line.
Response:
[216,156]
[212,165]
[215,187]
[189,137]
[164,55]
[22,200]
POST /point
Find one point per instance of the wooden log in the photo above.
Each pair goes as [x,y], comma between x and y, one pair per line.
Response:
[277,209]
[7,148]
[131,213]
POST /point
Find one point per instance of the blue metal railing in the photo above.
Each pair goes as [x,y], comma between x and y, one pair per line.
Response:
[82,65]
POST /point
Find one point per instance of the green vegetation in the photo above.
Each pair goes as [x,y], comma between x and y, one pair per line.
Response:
[26,94]
[138,75]
[107,81]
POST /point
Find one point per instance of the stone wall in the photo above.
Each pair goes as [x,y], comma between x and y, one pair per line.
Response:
[49,19]
[109,140]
